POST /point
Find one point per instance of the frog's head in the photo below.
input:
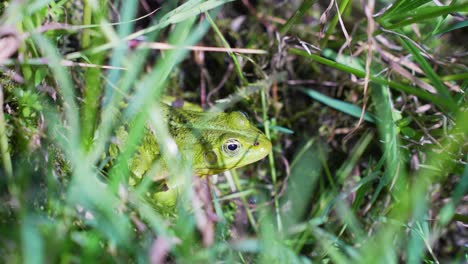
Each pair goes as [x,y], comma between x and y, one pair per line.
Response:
[232,142]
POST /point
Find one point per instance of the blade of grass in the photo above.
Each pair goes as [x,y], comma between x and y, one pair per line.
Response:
[236,195]
[90,105]
[331,244]
[248,211]
[361,74]
[146,94]
[152,85]
[331,27]
[346,168]
[339,105]
[305,172]
[450,28]
[424,14]
[435,79]
[448,211]
[112,108]
[271,158]
[93,80]
[441,20]
[66,88]
[298,14]
[32,242]
[118,58]
[453,77]
[395,173]
[87,16]
[175,16]
[84,180]
[4,147]
[226,45]
[402,6]
[411,198]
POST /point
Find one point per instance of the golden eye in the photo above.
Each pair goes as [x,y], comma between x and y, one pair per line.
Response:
[232,147]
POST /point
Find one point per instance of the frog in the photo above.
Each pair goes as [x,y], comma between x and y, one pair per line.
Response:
[212,142]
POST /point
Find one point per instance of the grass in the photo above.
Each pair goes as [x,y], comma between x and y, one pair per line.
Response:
[334,189]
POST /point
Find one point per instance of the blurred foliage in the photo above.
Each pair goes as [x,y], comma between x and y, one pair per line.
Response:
[390,188]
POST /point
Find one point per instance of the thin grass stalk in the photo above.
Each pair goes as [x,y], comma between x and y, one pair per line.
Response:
[298,14]
[439,86]
[250,216]
[4,147]
[226,45]
[433,13]
[87,20]
[93,81]
[271,159]
[331,27]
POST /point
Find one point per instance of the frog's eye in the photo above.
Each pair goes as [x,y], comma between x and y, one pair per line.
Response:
[245,114]
[232,147]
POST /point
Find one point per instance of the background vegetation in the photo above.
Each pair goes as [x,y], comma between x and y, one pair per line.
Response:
[364,101]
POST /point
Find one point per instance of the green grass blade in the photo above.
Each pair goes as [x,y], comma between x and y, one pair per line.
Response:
[226,45]
[66,90]
[298,14]
[339,105]
[305,173]
[33,244]
[402,6]
[448,211]
[425,14]
[361,74]
[344,5]
[435,79]
[450,28]
[175,16]
[98,199]
[4,146]
[395,168]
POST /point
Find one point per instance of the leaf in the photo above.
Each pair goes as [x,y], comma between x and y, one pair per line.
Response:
[32,242]
[402,7]
[458,25]
[442,90]
[339,105]
[375,79]
[283,130]
[306,170]
[407,18]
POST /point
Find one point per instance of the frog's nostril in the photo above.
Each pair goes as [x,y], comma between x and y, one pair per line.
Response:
[256,143]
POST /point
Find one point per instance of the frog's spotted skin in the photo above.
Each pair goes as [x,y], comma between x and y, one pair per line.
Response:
[215,142]
[218,141]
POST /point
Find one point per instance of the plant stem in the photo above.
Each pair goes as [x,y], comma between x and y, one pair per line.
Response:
[333,23]
[226,45]
[250,216]
[296,16]
[271,159]
[6,158]
[92,88]
[87,17]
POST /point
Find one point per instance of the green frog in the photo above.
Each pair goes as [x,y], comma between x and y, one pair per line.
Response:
[213,142]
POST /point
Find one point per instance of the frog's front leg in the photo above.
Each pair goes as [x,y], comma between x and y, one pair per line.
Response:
[201,205]
[166,200]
